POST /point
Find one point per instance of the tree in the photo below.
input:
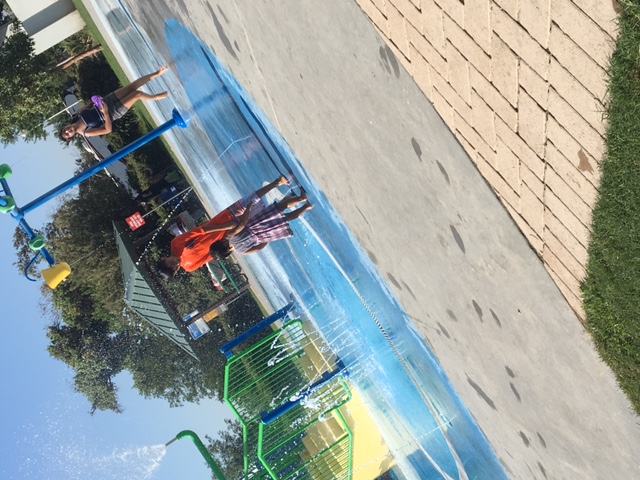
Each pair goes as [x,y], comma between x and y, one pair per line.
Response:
[91,374]
[95,354]
[228,450]
[29,92]
[160,369]
[73,60]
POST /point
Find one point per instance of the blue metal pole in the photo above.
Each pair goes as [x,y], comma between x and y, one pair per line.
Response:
[45,253]
[273,415]
[5,187]
[227,347]
[18,215]
[31,263]
[81,177]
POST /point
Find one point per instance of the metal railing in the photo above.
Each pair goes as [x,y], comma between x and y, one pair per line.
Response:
[288,409]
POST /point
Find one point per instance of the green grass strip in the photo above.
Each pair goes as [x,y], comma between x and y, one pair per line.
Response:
[611,290]
[93,30]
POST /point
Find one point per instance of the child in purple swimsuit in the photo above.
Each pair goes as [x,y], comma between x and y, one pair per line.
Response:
[94,120]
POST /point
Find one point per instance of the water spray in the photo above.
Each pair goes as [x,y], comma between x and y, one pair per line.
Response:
[202,449]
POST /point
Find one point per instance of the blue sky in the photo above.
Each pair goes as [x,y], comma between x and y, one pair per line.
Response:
[47,431]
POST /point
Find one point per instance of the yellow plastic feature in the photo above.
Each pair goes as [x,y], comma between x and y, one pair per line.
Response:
[53,276]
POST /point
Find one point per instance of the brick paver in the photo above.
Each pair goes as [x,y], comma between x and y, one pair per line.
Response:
[522,84]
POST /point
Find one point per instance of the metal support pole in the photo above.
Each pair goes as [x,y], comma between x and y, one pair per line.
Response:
[119,155]
[327,377]
[215,468]
[227,347]
[18,213]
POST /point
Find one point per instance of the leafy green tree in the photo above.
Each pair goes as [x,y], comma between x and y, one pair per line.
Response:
[94,380]
[160,369]
[228,450]
[82,235]
[29,91]
[95,354]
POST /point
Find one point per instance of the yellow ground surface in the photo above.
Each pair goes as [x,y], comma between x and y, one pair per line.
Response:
[371,457]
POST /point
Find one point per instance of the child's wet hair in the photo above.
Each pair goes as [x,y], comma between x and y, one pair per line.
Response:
[61,136]
[164,270]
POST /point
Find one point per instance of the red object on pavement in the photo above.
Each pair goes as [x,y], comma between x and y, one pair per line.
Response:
[135,221]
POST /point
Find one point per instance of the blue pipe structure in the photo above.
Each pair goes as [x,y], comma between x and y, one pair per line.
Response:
[270,417]
[37,243]
[227,348]
[119,155]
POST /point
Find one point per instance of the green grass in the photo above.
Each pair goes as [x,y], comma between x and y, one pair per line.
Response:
[92,29]
[612,286]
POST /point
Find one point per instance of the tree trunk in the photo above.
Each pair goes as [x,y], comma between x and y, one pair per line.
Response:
[69,62]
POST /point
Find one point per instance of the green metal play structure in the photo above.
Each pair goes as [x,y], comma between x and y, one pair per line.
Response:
[286,392]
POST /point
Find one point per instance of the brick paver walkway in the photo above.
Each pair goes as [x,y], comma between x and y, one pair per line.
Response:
[522,84]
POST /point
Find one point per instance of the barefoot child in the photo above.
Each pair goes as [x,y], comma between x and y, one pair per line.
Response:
[249,225]
[96,119]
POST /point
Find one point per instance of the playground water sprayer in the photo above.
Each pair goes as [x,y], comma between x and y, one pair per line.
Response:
[56,273]
[202,449]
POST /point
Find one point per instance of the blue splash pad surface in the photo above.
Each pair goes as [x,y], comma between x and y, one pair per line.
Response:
[333,282]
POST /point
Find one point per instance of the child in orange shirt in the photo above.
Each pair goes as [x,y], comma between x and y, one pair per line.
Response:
[190,251]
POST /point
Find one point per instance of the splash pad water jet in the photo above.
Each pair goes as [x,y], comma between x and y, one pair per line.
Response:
[201,448]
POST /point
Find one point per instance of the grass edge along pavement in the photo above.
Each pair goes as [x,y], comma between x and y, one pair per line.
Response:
[611,289]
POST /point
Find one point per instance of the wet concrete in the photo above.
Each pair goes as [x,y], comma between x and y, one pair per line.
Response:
[514,351]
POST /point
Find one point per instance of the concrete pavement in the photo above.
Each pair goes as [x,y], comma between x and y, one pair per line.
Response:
[523,87]
[477,292]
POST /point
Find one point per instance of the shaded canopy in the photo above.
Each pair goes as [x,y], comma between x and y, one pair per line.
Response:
[141,294]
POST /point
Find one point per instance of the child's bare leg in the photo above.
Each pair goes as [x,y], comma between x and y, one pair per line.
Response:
[131,99]
[124,92]
[290,216]
[136,84]
[278,182]
[145,97]
[290,201]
